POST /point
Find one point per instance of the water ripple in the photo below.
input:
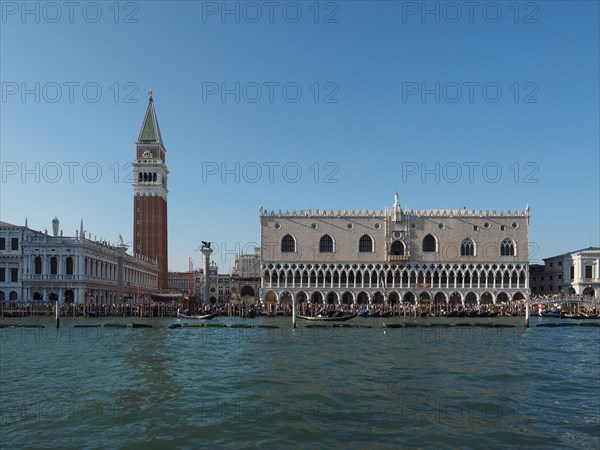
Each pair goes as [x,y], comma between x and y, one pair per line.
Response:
[296,388]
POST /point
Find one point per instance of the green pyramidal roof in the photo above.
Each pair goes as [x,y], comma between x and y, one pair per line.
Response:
[150,132]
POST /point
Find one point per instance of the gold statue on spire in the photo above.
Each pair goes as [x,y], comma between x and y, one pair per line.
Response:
[150,94]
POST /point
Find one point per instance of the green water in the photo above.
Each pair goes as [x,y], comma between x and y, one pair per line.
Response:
[297,388]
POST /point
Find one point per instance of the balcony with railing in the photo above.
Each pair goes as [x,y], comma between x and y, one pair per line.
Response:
[53,240]
[46,277]
[405,257]
[398,257]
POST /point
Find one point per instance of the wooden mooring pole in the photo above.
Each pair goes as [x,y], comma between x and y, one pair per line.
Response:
[57,313]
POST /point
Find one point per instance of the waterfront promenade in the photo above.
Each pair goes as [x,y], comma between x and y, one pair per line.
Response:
[539,305]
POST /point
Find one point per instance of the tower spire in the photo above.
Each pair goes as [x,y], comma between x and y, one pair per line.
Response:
[150,131]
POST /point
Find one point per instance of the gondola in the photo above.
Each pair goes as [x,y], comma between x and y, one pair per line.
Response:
[204,317]
[327,319]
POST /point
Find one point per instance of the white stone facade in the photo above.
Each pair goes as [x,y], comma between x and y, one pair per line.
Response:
[11,261]
[73,269]
[573,273]
[393,255]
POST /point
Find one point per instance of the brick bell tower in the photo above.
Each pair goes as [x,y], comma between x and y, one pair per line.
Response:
[150,195]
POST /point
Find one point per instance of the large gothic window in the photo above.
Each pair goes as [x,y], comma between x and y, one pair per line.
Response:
[397,248]
[365,244]
[429,244]
[467,248]
[326,244]
[288,244]
[507,247]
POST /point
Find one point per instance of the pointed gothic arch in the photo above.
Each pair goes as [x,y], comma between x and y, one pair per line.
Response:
[397,248]
[467,247]
[430,243]
[288,244]
[326,244]
[365,244]
[507,247]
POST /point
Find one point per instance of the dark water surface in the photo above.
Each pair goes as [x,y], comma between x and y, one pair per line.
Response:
[296,388]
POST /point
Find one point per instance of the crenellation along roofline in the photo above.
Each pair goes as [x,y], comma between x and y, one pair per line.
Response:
[383,214]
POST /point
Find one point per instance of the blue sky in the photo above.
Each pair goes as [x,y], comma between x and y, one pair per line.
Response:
[509,90]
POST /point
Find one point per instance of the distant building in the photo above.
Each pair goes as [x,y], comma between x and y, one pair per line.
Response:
[220,284]
[572,273]
[35,265]
[180,281]
[455,256]
[223,288]
[246,277]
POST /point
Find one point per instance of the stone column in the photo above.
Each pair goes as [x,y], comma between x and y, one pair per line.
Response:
[206,252]
[80,267]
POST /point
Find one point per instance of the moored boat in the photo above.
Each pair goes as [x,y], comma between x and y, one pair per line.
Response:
[204,317]
[327,319]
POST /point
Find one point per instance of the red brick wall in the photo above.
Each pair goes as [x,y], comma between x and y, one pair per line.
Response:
[150,233]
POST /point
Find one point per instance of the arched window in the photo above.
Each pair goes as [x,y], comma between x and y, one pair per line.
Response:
[288,244]
[326,244]
[69,266]
[467,248]
[154,176]
[53,265]
[397,248]
[429,244]
[507,247]
[38,265]
[140,176]
[365,244]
